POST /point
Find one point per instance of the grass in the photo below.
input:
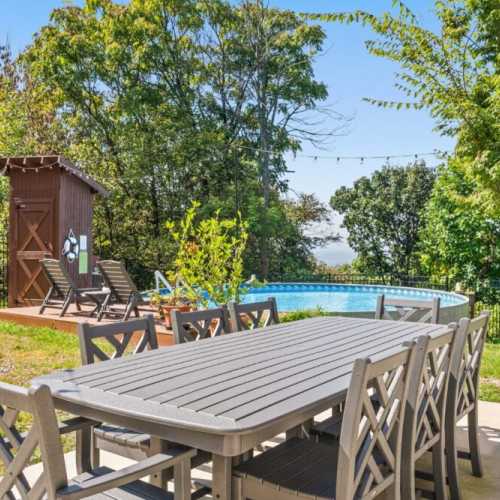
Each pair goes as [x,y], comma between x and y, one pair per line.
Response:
[490,374]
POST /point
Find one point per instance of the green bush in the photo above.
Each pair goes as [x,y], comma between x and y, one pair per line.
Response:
[209,258]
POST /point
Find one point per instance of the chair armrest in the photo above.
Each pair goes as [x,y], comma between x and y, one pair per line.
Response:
[76,424]
[81,290]
[115,479]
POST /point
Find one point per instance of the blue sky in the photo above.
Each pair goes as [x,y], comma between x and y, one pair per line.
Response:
[350,74]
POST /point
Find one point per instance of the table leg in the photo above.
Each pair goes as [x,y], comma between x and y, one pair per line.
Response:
[84,450]
[221,474]
[161,478]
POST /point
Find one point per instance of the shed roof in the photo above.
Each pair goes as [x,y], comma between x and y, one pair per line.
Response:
[46,161]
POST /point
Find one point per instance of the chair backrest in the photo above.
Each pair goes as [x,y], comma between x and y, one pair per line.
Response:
[255,315]
[57,275]
[17,450]
[199,325]
[463,389]
[426,404]
[372,426]
[117,279]
[422,311]
[119,335]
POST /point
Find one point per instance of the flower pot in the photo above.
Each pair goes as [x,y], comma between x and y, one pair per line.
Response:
[166,312]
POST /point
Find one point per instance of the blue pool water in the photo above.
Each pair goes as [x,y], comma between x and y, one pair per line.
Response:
[340,298]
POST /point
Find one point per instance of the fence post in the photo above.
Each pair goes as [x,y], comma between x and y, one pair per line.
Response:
[472,303]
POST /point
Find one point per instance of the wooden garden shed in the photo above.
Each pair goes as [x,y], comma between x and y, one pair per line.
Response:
[50,216]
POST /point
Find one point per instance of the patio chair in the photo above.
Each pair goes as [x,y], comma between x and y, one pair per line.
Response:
[404,310]
[424,425]
[123,297]
[62,291]
[52,479]
[250,316]
[128,337]
[364,463]
[198,325]
[463,394]
[422,311]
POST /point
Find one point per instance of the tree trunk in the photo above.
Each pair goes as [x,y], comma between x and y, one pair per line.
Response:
[264,173]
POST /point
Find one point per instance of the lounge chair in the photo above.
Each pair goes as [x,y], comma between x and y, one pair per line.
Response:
[123,297]
[62,291]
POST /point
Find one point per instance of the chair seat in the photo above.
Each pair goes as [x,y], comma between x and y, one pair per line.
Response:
[131,491]
[331,426]
[300,467]
[123,436]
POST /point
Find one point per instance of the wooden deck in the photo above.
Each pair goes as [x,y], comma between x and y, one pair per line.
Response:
[50,318]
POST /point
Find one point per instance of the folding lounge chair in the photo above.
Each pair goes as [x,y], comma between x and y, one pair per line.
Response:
[123,297]
[62,290]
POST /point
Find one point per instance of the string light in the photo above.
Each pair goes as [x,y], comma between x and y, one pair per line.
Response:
[360,158]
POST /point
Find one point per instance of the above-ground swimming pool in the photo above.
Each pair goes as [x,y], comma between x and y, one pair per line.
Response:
[350,300]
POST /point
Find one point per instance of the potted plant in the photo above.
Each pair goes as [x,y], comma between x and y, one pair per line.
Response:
[176,300]
[210,257]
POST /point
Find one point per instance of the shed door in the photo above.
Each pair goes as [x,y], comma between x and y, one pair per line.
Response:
[34,235]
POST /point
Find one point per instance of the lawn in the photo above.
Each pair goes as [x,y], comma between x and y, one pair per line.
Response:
[28,352]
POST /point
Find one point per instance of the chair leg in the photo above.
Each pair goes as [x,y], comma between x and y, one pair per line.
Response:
[95,456]
[452,460]
[439,471]
[66,303]
[46,300]
[182,480]
[129,308]
[103,308]
[475,454]
[408,471]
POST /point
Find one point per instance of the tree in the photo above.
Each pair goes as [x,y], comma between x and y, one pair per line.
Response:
[383,215]
[454,73]
[160,101]
[264,89]
[458,241]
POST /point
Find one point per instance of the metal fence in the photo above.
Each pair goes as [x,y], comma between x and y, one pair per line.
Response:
[364,279]
[4,256]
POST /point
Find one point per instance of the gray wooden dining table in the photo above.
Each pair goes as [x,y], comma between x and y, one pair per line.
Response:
[228,394]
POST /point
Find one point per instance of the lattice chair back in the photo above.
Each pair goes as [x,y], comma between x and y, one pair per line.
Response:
[199,325]
[464,377]
[57,276]
[17,450]
[132,336]
[426,403]
[371,433]
[117,279]
[255,315]
[422,311]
